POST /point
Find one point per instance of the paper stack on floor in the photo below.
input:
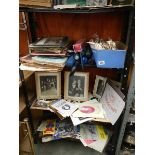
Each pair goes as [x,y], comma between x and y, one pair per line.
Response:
[93,136]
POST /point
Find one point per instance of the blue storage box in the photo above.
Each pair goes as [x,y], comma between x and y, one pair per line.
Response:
[110,58]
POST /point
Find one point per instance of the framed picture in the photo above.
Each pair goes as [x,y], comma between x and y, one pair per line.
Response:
[99,86]
[48,85]
[76,86]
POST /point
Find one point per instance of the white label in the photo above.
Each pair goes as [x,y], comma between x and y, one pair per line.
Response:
[101,62]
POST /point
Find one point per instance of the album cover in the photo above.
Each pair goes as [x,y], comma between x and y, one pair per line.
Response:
[63,107]
[50,42]
[90,108]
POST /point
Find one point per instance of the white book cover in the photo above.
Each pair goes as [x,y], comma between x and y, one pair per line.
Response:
[91,108]
[64,107]
[112,103]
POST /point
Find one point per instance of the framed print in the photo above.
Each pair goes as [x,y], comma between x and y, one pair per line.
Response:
[76,86]
[99,86]
[48,85]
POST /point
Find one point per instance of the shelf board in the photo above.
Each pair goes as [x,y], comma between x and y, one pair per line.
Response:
[78,10]
[27,74]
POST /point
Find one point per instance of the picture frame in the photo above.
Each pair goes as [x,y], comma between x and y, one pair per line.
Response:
[99,86]
[76,86]
[48,85]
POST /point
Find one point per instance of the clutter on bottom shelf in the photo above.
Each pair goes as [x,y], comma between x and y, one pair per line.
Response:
[91,135]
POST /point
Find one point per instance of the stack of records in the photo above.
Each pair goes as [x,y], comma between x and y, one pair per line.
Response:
[50,46]
[43,63]
[47,54]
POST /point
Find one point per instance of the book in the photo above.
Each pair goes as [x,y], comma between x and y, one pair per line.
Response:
[47,127]
[50,127]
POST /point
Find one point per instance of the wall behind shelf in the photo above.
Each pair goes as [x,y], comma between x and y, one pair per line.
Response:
[78,26]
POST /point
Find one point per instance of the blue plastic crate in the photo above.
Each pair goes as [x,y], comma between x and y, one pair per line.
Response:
[111,58]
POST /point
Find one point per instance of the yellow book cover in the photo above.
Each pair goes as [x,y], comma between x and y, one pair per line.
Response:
[50,127]
[101,132]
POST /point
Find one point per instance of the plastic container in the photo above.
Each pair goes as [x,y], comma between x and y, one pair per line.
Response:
[110,58]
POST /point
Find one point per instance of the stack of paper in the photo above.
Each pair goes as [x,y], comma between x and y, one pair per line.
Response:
[87,111]
[41,62]
[64,129]
[93,136]
[63,108]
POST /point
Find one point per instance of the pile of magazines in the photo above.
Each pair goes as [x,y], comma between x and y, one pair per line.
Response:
[91,135]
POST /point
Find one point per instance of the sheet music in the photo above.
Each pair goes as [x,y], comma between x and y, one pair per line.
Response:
[112,103]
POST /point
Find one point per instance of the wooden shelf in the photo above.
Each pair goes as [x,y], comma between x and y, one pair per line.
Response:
[27,74]
[22,104]
[78,10]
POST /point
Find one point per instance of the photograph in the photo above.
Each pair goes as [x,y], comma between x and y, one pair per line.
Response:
[48,85]
[76,86]
[99,86]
